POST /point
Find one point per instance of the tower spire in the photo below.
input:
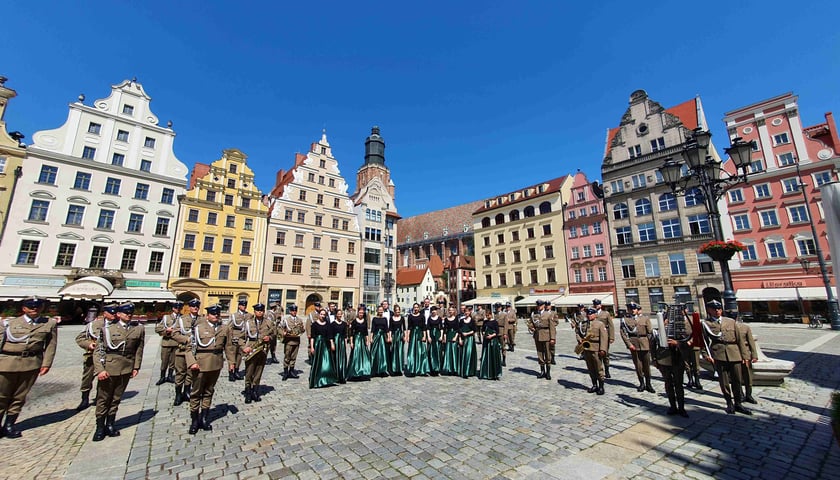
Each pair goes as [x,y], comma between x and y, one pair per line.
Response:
[374,148]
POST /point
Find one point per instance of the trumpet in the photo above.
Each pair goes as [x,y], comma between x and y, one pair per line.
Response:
[259,347]
[583,345]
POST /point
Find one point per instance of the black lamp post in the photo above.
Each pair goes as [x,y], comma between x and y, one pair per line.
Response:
[704,173]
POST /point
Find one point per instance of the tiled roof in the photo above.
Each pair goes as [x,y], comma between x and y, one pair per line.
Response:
[436,266]
[452,219]
[285,178]
[686,112]
[200,170]
[523,194]
[410,276]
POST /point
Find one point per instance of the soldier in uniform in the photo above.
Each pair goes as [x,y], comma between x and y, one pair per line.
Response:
[579,323]
[168,345]
[671,361]
[233,351]
[118,358]
[271,318]
[87,339]
[258,334]
[27,350]
[550,316]
[182,334]
[746,367]
[478,318]
[635,331]
[501,319]
[510,325]
[290,329]
[313,316]
[206,359]
[728,352]
[598,339]
[605,318]
[545,334]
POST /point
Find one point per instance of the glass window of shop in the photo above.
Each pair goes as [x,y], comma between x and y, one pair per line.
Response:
[657,296]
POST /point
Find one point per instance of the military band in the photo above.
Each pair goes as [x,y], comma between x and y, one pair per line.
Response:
[168,345]
[674,344]
[233,351]
[594,344]
[291,328]
[544,332]
[208,341]
[87,340]
[727,350]
[605,318]
[256,339]
[635,332]
[182,334]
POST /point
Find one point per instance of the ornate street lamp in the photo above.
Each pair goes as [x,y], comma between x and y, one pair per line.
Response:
[695,170]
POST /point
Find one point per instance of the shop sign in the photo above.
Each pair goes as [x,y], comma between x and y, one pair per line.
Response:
[783,284]
[655,282]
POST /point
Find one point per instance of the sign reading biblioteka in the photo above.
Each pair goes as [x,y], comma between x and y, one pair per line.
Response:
[783,284]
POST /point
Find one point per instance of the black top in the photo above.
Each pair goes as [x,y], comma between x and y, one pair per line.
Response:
[337,328]
[397,323]
[435,322]
[320,330]
[379,324]
[491,327]
[416,321]
[358,327]
[450,324]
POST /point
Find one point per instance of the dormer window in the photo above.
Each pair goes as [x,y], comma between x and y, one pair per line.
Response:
[425,235]
[128,110]
[232,168]
[511,197]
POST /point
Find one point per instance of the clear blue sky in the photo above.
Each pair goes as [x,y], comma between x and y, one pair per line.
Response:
[473,98]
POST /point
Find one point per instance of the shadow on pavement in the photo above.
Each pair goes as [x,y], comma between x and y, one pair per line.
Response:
[136,418]
[47,419]
[572,385]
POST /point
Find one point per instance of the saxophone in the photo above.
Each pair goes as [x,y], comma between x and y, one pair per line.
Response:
[258,347]
[583,345]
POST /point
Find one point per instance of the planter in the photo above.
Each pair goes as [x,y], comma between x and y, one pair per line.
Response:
[721,255]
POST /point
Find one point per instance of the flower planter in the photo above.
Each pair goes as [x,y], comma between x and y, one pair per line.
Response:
[721,255]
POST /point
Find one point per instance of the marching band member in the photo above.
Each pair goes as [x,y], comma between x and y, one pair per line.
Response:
[168,345]
[635,331]
[727,350]
[206,359]
[257,334]
[671,360]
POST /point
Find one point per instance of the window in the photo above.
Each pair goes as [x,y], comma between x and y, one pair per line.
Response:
[620,211]
[319,220]
[667,202]
[806,246]
[517,278]
[705,263]
[227,245]
[149,142]
[736,196]
[277,265]
[602,274]
[373,256]
[501,258]
[775,249]
[135,223]
[790,185]
[112,186]
[212,217]
[821,178]
[28,252]
[141,192]
[299,240]
[82,181]
[699,224]
[671,228]
[769,218]
[657,144]
[75,213]
[375,235]
[572,215]
[647,232]
[243,273]
[638,181]
[593,209]
[228,200]
[677,261]
[749,254]
[599,249]
[301,217]
[350,271]
[145,165]
[210,196]
[694,197]
[98,256]
[246,203]
[232,168]
[596,227]
[128,109]
[38,211]
[575,253]
[587,251]
[502,280]
[118,159]
[280,238]
[208,243]
[762,191]
[798,214]
[351,247]
[533,274]
[204,270]
[577,275]
[316,243]
[756,166]
[530,232]
[249,224]
[302,196]
[781,139]
[88,153]
[652,266]
[192,215]
[546,229]
[224,272]
[549,251]
[288,215]
[122,136]
[643,207]
[156,262]
[168,196]
[106,219]
[517,256]
[741,221]
[786,159]
[230,221]
[94,128]
[573,232]
[628,268]
[514,236]
[616,186]
[624,235]
[584,230]
[632,295]
[590,274]
[634,151]
[323,163]
[551,276]
[657,297]
[336,203]
[129,258]
[231,183]
[184,269]
[66,252]
[48,174]
[332,269]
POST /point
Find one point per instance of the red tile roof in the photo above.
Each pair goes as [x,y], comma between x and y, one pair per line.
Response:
[436,266]
[410,276]
[549,187]
[453,219]
[686,112]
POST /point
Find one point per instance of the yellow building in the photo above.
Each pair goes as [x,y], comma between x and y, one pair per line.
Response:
[220,242]
[11,155]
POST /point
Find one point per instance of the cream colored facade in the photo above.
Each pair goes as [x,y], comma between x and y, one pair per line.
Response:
[314,248]
[520,250]
[221,235]
[11,155]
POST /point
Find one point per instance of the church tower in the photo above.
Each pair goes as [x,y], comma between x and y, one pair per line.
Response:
[374,166]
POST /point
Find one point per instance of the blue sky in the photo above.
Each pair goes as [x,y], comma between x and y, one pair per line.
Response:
[474,99]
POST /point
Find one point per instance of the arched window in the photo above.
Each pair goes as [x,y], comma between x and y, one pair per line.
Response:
[514,215]
[667,202]
[620,211]
[529,211]
[693,197]
[643,207]
[545,207]
[485,222]
[500,219]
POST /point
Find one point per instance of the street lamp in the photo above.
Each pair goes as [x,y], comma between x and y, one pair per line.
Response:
[697,170]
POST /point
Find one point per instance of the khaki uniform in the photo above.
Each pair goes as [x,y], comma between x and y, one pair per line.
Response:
[168,345]
[290,329]
[598,342]
[728,350]
[510,327]
[210,343]
[605,318]
[182,335]
[635,332]
[85,339]
[501,317]
[746,368]
[233,350]
[551,317]
[671,363]
[478,318]
[271,348]
[544,332]
[26,346]
[119,353]
[255,331]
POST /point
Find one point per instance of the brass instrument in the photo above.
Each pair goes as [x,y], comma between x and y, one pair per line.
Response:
[258,347]
[673,330]
[583,345]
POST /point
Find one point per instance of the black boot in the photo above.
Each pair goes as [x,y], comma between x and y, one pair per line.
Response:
[255,393]
[99,434]
[697,381]
[186,394]
[600,387]
[274,358]
[194,424]
[548,372]
[162,378]
[85,401]
[504,360]
[741,409]
[110,429]
[285,374]
[641,387]
[594,387]
[648,386]
[607,371]
[542,372]
[292,373]
[179,397]
[239,375]
[170,377]
[247,394]
[205,421]
[672,410]
[9,429]
[729,408]
[231,376]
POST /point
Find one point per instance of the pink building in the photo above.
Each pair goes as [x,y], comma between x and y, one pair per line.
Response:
[770,215]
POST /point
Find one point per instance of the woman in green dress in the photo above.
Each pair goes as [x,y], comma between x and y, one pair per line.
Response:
[434,329]
[378,345]
[451,352]
[359,366]
[468,353]
[321,345]
[417,358]
[339,333]
[396,355]
[491,352]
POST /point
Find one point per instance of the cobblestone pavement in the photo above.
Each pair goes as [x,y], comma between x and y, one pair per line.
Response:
[518,427]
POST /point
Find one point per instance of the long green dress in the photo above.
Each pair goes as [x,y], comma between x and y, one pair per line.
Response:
[434,347]
[396,355]
[469,356]
[339,335]
[322,372]
[491,353]
[417,359]
[359,366]
[451,352]
[378,350]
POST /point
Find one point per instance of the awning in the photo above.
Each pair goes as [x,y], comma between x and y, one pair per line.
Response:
[87,288]
[486,301]
[17,292]
[532,299]
[575,299]
[141,295]
[780,294]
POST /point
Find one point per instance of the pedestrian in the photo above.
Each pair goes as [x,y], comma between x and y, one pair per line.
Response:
[87,339]
[396,355]
[450,364]
[605,318]
[727,352]
[635,332]
[510,321]
[233,351]
[272,317]
[417,358]
[491,352]
[358,367]
[671,360]
[544,333]
[291,328]
[322,372]
[468,351]
[747,366]
[168,345]
[206,359]
[595,345]
[434,336]
[339,329]
[550,316]
[183,334]
[381,336]
[256,339]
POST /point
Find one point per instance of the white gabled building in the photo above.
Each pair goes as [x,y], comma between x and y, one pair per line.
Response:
[413,286]
[98,197]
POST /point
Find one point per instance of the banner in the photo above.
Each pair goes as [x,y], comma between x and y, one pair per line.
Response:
[831,206]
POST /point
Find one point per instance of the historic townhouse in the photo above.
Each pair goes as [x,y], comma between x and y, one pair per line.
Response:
[520,250]
[313,252]
[377,215]
[221,235]
[95,206]
[12,152]
[656,235]
[414,285]
[770,215]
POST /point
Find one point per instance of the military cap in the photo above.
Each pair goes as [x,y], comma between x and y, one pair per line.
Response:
[177,304]
[714,304]
[292,307]
[259,307]
[317,304]
[539,302]
[580,305]
[591,311]
[194,302]
[110,308]
[634,306]
[596,302]
[214,309]
[508,304]
[33,302]
[126,307]
[243,303]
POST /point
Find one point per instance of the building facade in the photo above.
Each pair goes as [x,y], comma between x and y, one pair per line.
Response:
[376,213]
[656,235]
[313,252]
[220,244]
[520,248]
[12,153]
[96,198]
[770,215]
[413,286]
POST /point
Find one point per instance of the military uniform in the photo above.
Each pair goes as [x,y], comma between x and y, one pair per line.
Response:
[746,367]
[544,333]
[692,357]
[598,339]
[271,348]
[258,334]
[510,326]
[550,316]
[671,363]
[182,334]
[27,349]
[605,318]
[117,359]
[290,329]
[635,331]
[501,318]
[478,318]
[206,359]
[233,351]
[168,345]
[728,350]
[87,339]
